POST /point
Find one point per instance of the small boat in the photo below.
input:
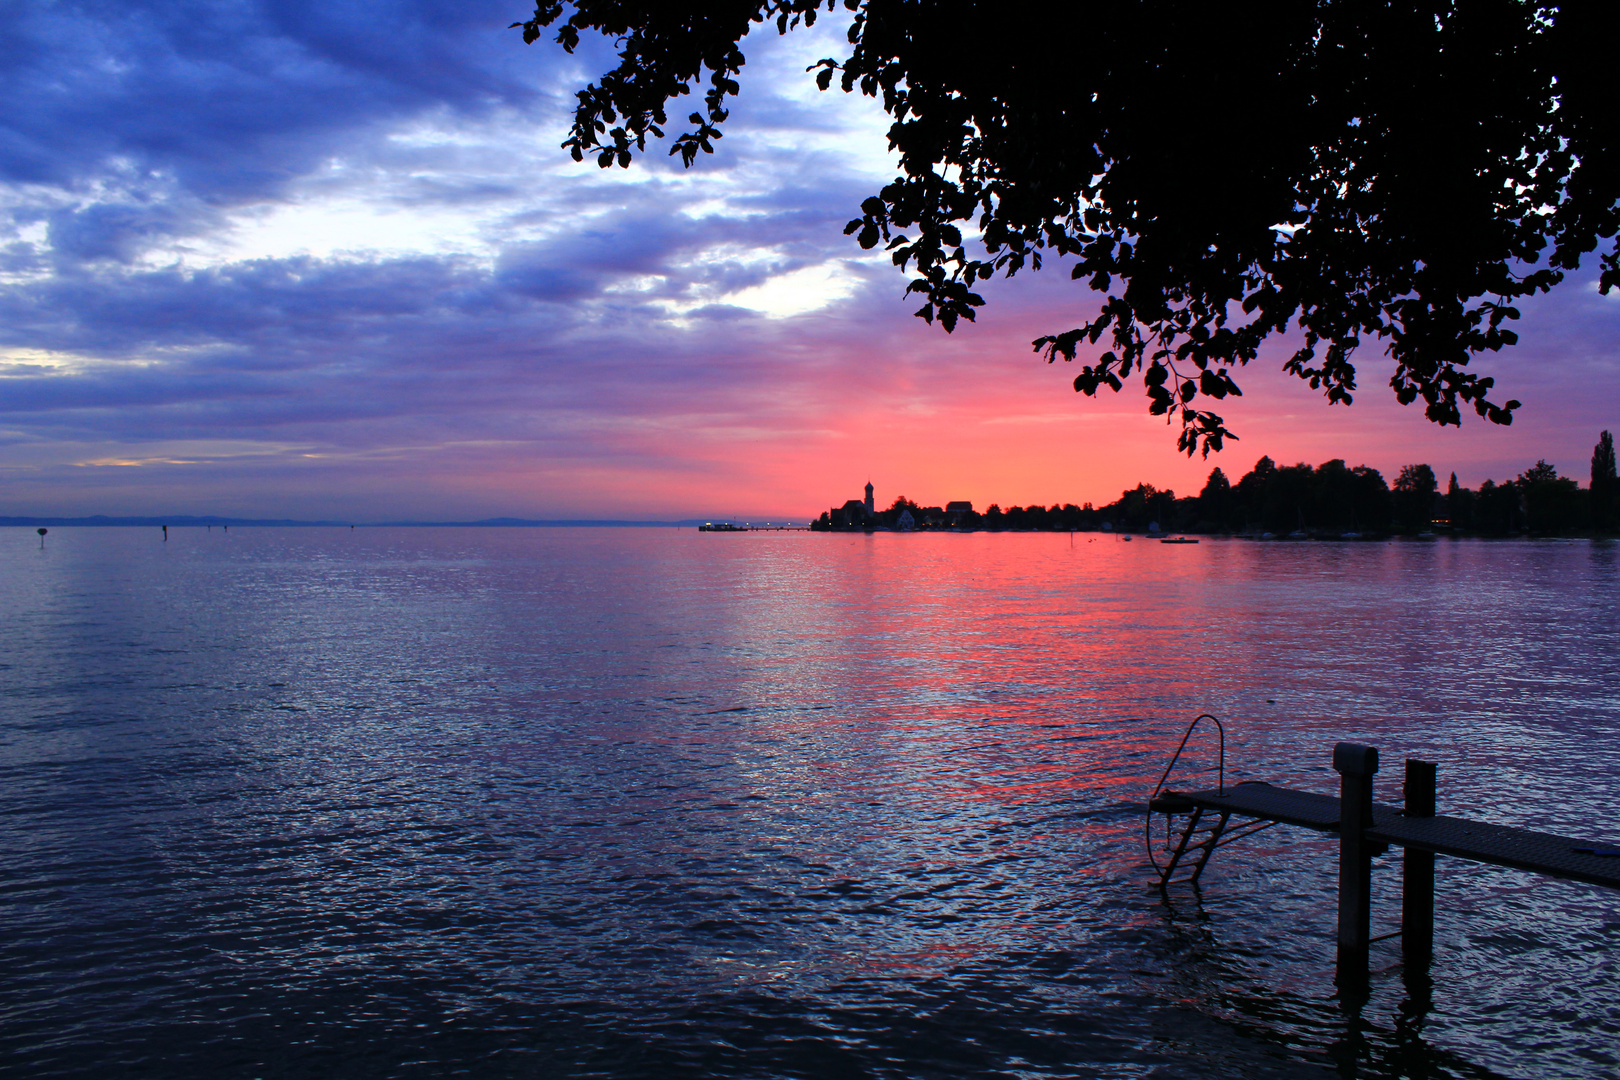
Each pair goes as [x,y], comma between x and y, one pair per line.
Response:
[1178,540]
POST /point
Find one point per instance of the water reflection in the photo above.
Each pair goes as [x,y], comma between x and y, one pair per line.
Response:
[630,802]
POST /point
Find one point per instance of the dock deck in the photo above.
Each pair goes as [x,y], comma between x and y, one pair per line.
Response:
[1499,845]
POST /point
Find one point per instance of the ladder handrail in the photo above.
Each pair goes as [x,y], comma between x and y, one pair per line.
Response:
[1177,757]
[1148,826]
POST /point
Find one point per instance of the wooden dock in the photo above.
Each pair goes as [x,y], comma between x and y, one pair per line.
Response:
[1499,845]
[1366,828]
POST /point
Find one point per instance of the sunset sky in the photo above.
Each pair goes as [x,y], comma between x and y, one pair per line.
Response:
[327,259]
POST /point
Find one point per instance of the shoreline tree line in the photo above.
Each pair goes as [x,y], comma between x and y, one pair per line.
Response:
[1327,501]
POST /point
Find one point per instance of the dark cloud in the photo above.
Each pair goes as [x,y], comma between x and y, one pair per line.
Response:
[549,284]
[305,343]
[121,232]
[235,97]
[276,305]
[132,124]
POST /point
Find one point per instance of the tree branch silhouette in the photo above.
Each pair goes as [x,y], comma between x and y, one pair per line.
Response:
[1346,171]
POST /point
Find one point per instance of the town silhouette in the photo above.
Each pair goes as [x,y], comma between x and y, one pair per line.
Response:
[1327,501]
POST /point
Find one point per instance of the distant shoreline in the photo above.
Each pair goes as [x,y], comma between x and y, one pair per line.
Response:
[182,520]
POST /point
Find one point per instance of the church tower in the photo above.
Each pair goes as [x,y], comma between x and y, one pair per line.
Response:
[870,509]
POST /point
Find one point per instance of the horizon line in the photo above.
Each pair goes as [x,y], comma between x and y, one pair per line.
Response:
[190,520]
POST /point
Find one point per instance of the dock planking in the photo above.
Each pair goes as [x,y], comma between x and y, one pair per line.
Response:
[1256,799]
[1503,845]
[1498,845]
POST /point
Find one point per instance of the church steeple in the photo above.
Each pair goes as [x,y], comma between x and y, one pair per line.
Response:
[870,509]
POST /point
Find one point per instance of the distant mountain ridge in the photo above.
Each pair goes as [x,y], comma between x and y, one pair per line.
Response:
[181,520]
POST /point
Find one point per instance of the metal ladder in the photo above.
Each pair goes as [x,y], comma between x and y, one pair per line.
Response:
[1205,830]
[1199,839]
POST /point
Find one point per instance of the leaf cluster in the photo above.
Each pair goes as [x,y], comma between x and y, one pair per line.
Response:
[1355,172]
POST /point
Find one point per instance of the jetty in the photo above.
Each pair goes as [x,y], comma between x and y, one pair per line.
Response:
[1366,828]
[729,526]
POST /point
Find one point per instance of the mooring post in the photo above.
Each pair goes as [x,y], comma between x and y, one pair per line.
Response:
[1355,765]
[1417,885]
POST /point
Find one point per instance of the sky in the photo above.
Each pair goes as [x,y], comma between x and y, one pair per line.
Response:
[328,260]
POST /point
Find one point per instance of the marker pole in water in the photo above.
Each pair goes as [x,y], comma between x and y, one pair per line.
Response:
[42,532]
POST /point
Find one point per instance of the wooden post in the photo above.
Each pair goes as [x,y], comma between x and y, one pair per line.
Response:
[1417,885]
[1355,765]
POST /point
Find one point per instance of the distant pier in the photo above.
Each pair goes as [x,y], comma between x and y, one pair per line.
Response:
[728,526]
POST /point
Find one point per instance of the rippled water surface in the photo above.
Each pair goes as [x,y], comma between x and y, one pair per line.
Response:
[654,803]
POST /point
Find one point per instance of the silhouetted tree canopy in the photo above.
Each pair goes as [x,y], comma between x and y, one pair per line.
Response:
[1605,484]
[1416,488]
[1399,173]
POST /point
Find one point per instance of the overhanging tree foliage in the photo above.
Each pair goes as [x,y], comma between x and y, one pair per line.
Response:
[1366,172]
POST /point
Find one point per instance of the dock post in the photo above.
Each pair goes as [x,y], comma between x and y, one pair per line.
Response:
[1355,765]
[1417,885]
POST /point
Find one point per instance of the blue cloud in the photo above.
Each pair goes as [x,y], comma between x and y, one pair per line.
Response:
[122,231]
[235,96]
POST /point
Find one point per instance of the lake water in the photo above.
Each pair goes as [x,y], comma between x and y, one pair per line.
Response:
[653,803]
